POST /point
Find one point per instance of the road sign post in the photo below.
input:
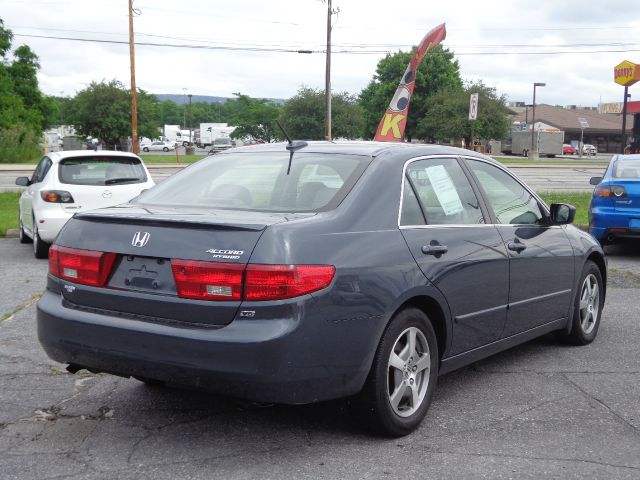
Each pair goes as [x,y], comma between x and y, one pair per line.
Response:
[583,124]
[473,115]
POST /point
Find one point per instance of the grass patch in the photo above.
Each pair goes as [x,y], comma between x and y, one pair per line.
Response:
[151,159]
[578,200]
[8,211]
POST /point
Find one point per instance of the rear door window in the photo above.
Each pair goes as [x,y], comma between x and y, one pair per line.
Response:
[627,169]
[101,171]
[444,191]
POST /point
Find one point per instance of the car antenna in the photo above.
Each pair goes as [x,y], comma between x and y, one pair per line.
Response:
[292,146]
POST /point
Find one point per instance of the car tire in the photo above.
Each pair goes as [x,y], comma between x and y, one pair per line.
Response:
[398,390]
[587,306]
[185,144]
[525,153]
[22,237]
[40,247]
[165,149]
[145,149]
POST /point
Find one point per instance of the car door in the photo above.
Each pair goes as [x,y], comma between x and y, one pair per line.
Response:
[26,200]
[541,266]
[444,224]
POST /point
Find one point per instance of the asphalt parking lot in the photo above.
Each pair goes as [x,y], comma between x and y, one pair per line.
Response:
[541,410]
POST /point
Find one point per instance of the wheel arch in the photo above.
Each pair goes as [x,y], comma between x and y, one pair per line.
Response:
[434,310]
[599,260]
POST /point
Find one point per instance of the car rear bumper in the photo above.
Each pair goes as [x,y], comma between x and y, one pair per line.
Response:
[51,222]
[273,360]
[606,221]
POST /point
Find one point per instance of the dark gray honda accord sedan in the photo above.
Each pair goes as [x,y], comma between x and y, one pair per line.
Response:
[296,273]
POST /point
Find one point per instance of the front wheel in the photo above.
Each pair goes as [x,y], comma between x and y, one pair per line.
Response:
[165,149]
[398,390]
[145,149]
[588,305]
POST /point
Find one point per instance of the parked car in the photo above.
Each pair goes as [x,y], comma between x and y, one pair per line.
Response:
[588,149]
[158,145]
[614,211]
[568,149]
[296,273]
[65,183]
[220,145]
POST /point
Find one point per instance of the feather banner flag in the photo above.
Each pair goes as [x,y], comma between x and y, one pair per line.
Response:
[394,121]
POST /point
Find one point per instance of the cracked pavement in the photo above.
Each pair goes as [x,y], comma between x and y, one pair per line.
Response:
[541,410]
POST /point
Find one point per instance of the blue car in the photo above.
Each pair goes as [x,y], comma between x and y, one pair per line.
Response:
[614,211]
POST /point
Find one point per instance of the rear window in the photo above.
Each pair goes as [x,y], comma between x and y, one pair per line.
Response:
[627,169]
[101,171]
[259,181]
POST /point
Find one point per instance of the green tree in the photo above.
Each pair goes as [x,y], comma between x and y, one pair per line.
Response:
[438,71]
[24,110]
[255,118]
[103,110]
[303,115]
[448,115]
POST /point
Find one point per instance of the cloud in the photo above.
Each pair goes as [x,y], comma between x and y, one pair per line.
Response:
[503,27]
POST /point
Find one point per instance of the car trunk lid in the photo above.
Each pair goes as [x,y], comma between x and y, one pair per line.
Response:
[146,241]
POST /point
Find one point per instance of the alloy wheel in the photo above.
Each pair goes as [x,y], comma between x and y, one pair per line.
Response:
[589,303]
[408,372]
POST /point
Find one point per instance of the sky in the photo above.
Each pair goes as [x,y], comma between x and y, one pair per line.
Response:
[571,45]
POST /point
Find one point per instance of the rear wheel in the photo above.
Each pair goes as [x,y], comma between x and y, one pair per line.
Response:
[525,153]
[587,308]
[398,390]
[145,149]
[165,149]
[40,248]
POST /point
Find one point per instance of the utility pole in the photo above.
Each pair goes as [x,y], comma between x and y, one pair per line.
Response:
[327,78]
[624,119]
[134,106]
[190,121]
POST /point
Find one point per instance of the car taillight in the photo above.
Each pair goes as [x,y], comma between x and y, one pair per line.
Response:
[208,280]
[605,191]
[231,281]
[276,282]
[56,196]
[86,267]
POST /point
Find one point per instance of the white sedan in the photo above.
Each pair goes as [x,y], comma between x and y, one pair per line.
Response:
[156,146]
[64,183]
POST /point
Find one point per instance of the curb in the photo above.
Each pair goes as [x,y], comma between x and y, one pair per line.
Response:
[12,233]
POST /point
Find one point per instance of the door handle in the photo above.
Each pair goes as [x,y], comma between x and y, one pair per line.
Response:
[516,246]
[436,249]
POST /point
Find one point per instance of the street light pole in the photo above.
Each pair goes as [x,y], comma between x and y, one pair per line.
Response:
[190,121]
[624,120]
[533,114]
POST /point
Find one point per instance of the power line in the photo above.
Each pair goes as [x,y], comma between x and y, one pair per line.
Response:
[293,50]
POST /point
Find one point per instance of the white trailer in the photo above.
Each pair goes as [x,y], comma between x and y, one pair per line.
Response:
[547,142]
[209,132]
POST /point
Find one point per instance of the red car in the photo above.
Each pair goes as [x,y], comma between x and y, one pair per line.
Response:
[568,149]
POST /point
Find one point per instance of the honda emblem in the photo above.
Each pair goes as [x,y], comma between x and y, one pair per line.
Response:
[140,239]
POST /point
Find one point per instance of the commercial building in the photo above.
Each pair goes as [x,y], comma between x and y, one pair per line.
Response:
[604,130]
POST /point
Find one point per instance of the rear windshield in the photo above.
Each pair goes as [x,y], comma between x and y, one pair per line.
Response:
[101,170]
[627,169]
[259,181]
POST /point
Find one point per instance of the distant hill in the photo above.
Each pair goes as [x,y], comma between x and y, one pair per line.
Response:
[181,99]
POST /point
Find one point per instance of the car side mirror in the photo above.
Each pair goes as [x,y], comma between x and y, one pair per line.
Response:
[23,181]
[595,180]
[562,213]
